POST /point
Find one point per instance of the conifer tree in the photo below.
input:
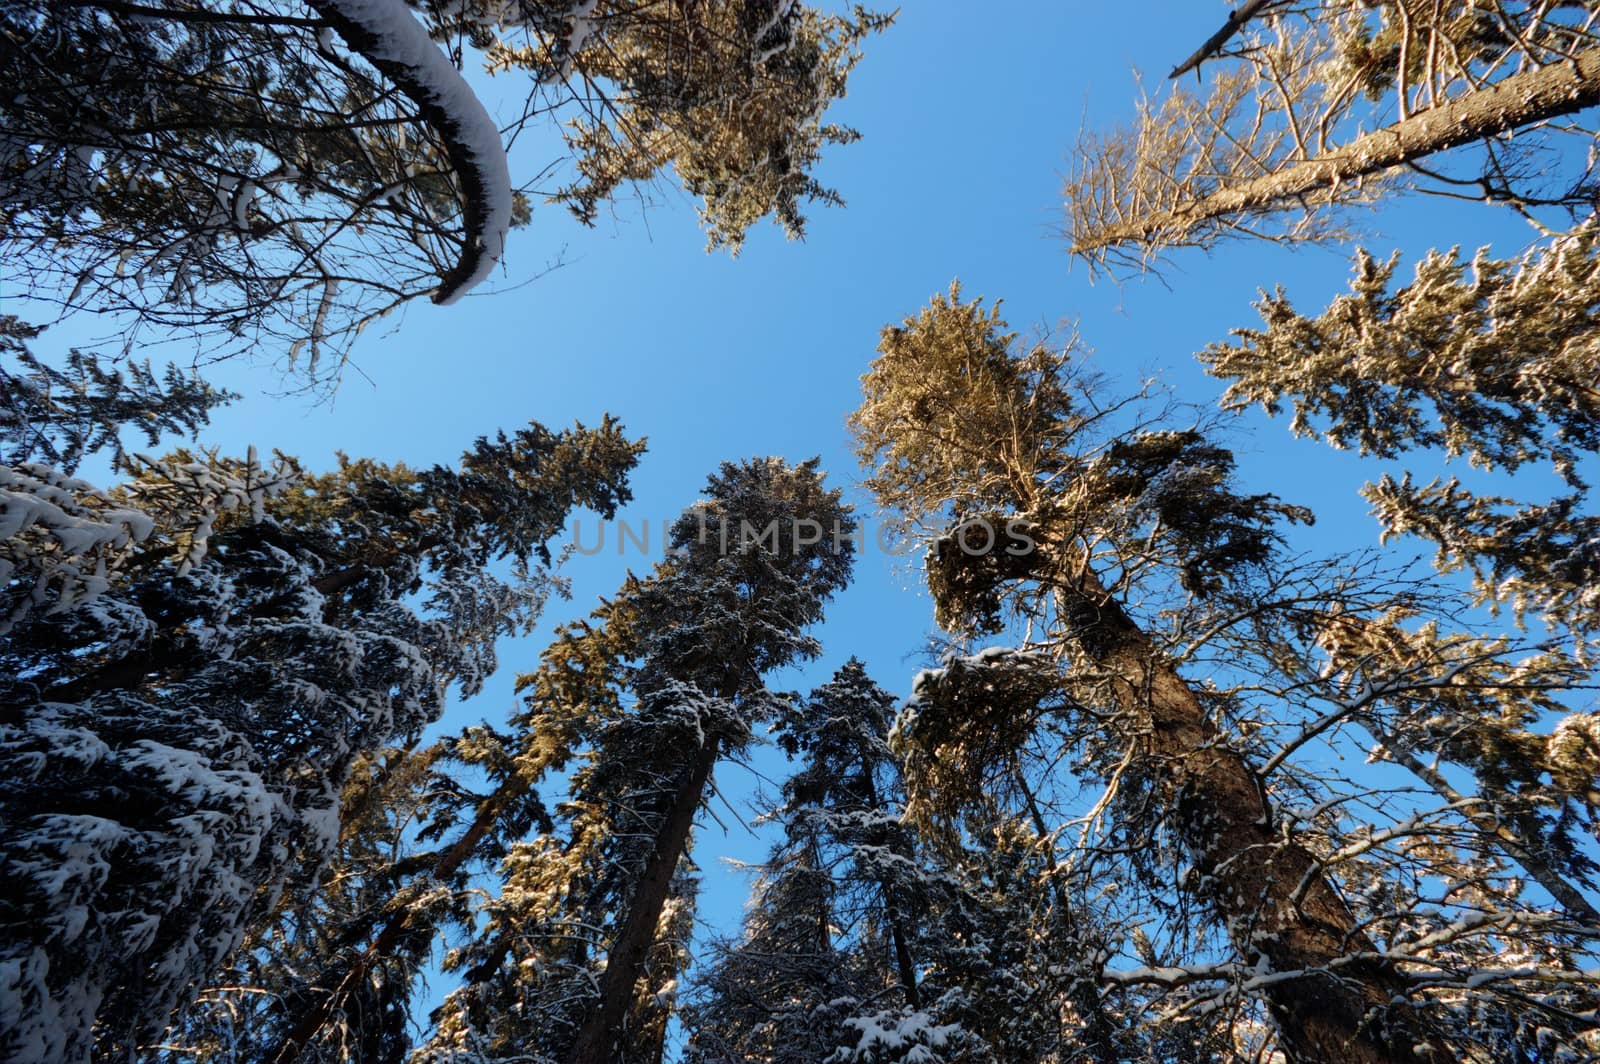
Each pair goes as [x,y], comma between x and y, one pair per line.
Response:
[833,917]
[866,941]
[1130,561]
[640,703]
[296,958]
[185,719]
[1491,361]
[255,170]
[1485,360]
[955,430]
[58,416]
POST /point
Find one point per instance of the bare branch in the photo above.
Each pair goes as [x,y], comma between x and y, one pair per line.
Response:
[1524,99]
[1236,20]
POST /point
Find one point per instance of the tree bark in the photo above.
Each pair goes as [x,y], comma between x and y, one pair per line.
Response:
[1267,889]
[1520,100]
[597,1038]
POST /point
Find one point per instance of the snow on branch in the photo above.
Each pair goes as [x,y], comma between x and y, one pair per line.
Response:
[59,539]
[387,35]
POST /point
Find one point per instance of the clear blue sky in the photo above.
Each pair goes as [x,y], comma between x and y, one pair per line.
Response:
[966,111]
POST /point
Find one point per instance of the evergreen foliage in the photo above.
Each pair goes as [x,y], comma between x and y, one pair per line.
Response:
[1491,361]
[1115,822]
[184,717]
[256,171]
[1269,889]
[639,705]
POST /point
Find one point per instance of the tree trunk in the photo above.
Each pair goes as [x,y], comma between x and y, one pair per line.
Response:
[1271,895]
[904,963]
[597,1038]
[1523,99]
[902,950]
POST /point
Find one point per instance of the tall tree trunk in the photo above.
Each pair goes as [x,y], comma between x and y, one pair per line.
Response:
[902,949]
[597,1038]
[1268,890]
[898,936]
[1523,99]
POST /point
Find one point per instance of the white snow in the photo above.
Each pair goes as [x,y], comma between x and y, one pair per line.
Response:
[905,1038]
[403,41]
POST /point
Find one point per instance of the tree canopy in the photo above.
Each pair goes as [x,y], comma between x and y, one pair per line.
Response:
[1174,778]
[282,175]
[1312,109]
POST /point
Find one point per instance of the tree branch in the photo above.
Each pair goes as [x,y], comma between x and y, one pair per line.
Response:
[1520,100]
[179,14]
[385,34]
[1236,20]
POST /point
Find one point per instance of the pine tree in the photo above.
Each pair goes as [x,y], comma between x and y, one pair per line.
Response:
[777,994]
[1119,544]
[832,917]
[640,704]
[868,941]
[1490,360]
[958,431]
[850,783]
[295,959]
[58,416]
[186,725]
[1485,360]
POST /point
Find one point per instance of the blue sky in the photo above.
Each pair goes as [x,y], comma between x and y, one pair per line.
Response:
[966,111]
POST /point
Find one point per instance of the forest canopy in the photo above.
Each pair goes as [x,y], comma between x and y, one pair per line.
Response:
[1239,709]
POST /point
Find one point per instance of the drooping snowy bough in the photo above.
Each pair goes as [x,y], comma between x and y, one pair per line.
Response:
[334,163]
[385,33]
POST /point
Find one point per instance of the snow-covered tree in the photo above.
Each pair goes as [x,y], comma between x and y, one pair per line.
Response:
[834,912]
[867,941]
[294,169]
[1477,362]
[1130,554]
[295,958]
[640,704]
[181,731]
[56,416]
[1491,361]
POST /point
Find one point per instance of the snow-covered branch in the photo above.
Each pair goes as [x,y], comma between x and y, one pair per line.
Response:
[386,34]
